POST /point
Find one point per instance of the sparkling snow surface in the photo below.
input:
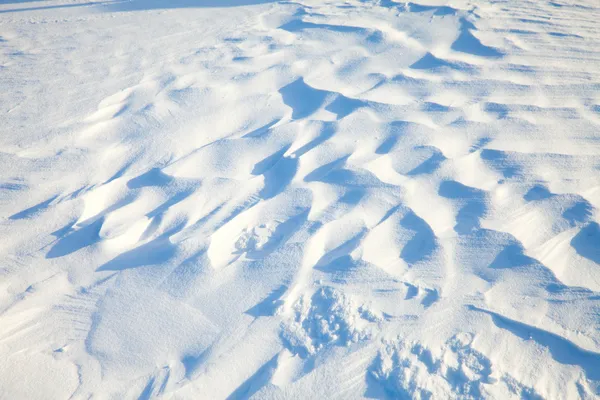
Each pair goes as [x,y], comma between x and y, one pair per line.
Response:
[211,199]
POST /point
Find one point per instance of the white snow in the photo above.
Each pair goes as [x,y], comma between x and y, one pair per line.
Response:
[210,199]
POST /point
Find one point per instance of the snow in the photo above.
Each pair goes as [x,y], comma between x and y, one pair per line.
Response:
[313,199]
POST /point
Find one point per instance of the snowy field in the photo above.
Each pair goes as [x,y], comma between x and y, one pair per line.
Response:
[311,199]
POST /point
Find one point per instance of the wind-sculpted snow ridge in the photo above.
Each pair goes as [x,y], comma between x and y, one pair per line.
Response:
[311,199]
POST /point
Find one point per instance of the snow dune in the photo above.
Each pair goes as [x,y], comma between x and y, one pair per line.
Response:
[300,199]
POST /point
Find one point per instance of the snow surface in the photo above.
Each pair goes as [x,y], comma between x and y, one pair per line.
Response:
[210,199]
